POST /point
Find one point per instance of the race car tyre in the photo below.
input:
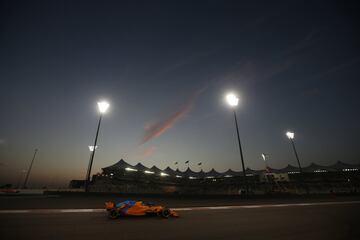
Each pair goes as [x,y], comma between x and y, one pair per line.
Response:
[113,214]
[165,213]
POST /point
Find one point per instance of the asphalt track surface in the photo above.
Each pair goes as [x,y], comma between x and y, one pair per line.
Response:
[199,219]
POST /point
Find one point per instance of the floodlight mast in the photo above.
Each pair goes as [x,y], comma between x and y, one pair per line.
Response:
[265,156]
[91,149]
[103,107]
[233,101]
[291,136]
[28,172]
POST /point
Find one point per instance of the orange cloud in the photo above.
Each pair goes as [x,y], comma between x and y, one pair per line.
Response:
[160,127]
[157,129]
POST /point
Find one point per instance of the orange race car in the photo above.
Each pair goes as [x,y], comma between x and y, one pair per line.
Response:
[137,208]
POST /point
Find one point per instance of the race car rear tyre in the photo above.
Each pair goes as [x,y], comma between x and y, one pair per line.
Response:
[165,213]
[113,214]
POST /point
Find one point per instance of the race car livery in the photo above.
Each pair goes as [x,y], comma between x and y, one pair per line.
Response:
[137,208]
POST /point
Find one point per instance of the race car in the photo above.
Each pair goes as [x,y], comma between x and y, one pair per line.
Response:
[137,208]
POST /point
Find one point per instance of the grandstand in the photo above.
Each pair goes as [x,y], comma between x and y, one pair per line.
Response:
[124,177]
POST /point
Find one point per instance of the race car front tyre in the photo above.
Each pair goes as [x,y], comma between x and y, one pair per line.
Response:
[113,214]
[165,213]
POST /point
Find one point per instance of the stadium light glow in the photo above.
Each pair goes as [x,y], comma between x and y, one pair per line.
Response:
[162,174]
[232,99]
[178,176]
[290,135]
[91,148]
[131,169]
[148,172]
[103,106]
[349,169]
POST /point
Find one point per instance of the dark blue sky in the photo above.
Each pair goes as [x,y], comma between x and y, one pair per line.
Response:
[165,66]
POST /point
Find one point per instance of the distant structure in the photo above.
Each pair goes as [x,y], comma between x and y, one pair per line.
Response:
[122,167]
[126,178]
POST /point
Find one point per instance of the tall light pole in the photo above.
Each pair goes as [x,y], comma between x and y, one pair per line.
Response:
[28,172]
[233,101]
[291,136]
[264,156]
[91,149]
[103,107]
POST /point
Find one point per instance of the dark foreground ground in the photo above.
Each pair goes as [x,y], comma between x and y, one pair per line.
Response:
[267,221]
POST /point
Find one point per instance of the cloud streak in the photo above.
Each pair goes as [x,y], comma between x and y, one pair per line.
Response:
[160,127]
[163,125]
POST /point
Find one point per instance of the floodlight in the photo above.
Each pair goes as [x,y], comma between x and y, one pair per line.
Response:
[103,106]
[130,169]
[232,99]
[91,148]
[290,135]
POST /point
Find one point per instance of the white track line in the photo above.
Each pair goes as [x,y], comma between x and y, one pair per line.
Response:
[90,210]
[265,206]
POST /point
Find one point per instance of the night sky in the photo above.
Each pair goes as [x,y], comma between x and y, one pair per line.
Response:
[165,67]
